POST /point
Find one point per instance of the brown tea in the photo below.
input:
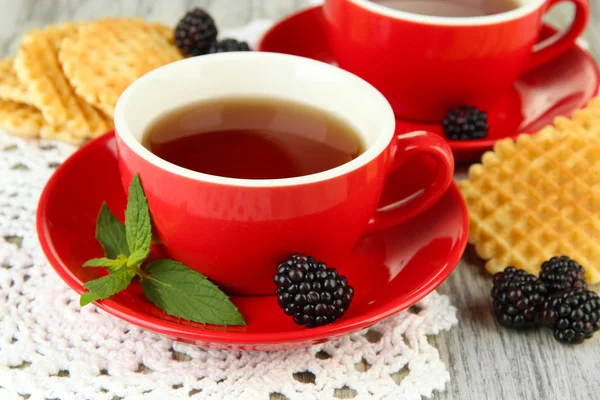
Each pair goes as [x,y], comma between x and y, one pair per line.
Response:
[253,138]
[452,8]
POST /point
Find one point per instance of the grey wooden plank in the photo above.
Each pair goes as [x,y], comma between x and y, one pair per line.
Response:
[18,16]
[485,362]
[489,362]
[562,14]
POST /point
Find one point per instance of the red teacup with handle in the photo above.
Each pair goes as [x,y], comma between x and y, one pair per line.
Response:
[427,65]
[236,231]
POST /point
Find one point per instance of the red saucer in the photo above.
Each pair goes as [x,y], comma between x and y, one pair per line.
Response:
[389,271]
[556,88]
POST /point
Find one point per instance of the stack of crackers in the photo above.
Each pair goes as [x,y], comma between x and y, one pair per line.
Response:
[65,80]
[539,197]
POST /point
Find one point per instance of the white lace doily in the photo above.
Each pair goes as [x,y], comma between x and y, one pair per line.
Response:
[52,349]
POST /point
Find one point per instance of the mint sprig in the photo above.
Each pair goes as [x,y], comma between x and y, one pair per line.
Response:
[169,282]
[138,229]
[176,289]
[117,263]
[110,232]
[106,286]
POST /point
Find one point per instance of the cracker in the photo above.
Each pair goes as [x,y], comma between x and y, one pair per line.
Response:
[26,121]
[539,197]
[20,119]
[37,66]
[165,31]
[109,54]
[10,87]
[60,133]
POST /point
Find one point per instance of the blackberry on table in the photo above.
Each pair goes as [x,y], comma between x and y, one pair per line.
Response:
[310,292]
[465,123]
[195,32]
[573,315]
[517,298]
[561,273]
[228,45]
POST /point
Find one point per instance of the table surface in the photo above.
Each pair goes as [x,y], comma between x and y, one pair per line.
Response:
[485,362]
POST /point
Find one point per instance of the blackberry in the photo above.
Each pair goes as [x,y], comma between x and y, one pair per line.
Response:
[561,273]
[311,293]
[195,32]
[465,123]
[518,298]
[227,45]
[573,315]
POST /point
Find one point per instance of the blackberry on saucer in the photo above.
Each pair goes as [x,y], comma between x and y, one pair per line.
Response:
[465,123]
[561,273]
[517,298]
[310,292]
[195,32]
[228,45]
[573,315]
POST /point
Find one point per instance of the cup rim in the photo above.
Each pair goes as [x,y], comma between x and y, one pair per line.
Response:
[519,12]
[387,119]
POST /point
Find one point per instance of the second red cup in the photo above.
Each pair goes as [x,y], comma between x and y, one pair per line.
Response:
[426,65]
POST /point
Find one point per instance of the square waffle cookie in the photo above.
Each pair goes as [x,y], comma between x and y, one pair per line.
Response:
[107,55]
[10,87]
[26,121]
[539,197]
[20,119]
[38,100]
[38,68]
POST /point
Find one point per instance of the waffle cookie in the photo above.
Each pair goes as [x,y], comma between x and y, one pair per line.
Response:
[20,119]
[165,31]
[26,121]
[38,68]
[539,197]
[123,50]
[10,86]
[60,133]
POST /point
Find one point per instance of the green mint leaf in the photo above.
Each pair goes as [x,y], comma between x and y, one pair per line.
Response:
[106,286]
[137,258]
[107,262]
[137,222]
[185,293]
[110,232]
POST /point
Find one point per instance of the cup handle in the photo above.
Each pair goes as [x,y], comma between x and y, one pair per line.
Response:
[407,146]
[557,44]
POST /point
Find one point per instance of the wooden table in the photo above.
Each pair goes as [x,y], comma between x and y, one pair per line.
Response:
[485,362]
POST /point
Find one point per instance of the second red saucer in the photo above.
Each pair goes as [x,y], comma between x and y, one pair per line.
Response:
[556,88]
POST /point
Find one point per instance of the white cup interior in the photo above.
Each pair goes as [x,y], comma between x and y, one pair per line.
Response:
[255,74]
[384,7]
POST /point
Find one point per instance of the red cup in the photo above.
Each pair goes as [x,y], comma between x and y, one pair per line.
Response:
[236,231]
[426,65]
